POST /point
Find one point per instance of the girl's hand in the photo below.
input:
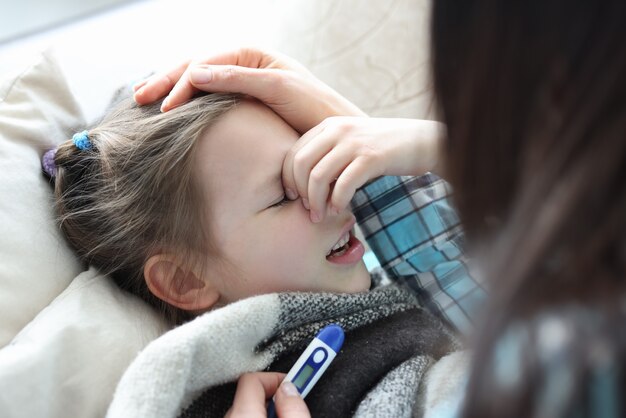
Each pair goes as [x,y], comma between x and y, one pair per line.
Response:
[253,390]
[280,82]
[349,151]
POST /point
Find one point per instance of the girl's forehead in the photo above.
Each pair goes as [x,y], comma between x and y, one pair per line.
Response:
[242,154]
[249,136]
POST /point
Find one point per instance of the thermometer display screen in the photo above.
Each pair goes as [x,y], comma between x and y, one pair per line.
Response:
[303,376]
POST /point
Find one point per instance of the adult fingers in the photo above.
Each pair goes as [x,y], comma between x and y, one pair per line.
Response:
[180,93]
[249,57]
[253,389]
[264,84]
[158,85]
[260,83]
[184,88]
[289,404]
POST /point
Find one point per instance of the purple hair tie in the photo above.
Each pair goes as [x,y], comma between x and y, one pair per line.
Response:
[47,162]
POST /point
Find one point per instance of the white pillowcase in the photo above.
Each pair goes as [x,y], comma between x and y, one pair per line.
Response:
[68,361]
[37,111]
[69,358]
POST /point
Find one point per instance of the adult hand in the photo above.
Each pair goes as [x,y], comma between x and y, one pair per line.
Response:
[280,82]
[349,151]
[253,389]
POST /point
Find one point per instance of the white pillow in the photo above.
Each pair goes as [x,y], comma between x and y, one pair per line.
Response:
[37,110]
[69,359]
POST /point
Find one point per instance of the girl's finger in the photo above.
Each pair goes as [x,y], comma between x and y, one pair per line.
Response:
[326,171]
[307,158]
[355,175]
[288,172]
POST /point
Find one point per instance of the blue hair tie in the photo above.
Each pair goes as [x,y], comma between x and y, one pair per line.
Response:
[81,140]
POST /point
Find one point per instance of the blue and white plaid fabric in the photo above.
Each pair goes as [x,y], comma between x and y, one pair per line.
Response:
[416,235]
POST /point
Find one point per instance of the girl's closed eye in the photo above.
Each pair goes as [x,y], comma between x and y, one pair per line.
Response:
[282,202]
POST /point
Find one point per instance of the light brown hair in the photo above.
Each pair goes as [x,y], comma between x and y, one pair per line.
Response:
[134,194]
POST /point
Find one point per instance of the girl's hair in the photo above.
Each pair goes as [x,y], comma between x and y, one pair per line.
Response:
[134,194]
[534,97]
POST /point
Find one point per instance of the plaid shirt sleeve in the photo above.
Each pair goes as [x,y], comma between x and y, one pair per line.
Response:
[416,235]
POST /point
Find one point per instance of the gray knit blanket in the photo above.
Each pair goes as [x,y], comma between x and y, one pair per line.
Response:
[390,343]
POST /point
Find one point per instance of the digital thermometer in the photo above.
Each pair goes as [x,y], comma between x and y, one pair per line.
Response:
[313,362]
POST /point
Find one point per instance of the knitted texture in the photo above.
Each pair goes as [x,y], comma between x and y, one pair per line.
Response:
[395,395]
[385,329]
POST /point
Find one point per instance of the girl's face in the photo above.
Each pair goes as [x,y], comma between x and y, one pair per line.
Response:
[274,247]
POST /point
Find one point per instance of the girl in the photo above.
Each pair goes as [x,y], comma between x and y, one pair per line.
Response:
[187,210]
[532,94]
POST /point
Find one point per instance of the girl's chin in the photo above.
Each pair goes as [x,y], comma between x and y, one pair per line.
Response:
[360,281]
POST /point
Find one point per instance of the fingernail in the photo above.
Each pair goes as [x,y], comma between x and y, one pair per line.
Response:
[164,104]
[201,75]
[291,195]
[315,217]
[140,91]
[305,202]
[289,389]
[334,210]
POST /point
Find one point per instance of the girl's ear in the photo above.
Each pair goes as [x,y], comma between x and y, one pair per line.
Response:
[178,284]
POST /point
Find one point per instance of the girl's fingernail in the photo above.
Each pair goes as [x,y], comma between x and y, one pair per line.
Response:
[289,389]
[291,195]
[315,217]
[140,91]
[201,75]
[305,202]
[164,104]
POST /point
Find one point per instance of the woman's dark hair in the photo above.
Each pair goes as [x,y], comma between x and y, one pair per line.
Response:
[534,97]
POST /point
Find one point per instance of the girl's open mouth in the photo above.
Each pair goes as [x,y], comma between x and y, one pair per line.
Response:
[350,253]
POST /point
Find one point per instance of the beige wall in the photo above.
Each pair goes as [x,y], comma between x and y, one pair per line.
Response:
[374,52]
